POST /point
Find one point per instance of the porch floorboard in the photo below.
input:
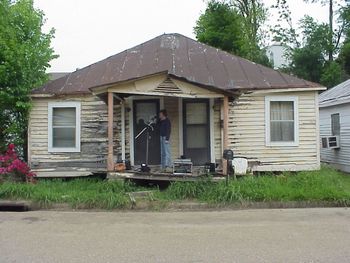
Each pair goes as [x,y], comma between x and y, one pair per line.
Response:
[135,175]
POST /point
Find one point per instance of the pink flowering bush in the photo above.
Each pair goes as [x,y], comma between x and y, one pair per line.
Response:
[14,169]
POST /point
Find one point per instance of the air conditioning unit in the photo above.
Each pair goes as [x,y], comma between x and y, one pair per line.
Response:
[331,142]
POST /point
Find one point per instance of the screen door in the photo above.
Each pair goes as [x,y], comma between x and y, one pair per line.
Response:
[144,111]
[196,131]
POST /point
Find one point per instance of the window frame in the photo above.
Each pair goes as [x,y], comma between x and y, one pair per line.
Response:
[332,127]
[268,100]
[65,104]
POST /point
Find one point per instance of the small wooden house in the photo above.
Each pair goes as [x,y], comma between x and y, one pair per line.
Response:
[335,126]
[87,120]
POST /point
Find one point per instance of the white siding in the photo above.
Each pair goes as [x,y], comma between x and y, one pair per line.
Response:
[340,158]
[247,133]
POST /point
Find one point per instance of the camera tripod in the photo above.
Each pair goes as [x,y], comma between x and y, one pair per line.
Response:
[147,129]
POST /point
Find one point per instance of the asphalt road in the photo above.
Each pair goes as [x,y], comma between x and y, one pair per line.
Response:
[292,235]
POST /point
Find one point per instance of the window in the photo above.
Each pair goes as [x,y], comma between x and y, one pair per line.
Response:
[335,123]
[64,127]
[281,121]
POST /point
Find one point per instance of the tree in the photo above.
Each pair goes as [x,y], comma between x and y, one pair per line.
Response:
[344,57]
[254,15]
[307,64]
[308,53]
[313,46]
[331,74]
[284,31]
[310,61]
[344,54]
[25,52]
[330,38]
[221,26]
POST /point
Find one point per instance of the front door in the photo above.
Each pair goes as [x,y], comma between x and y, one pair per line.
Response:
[196,130]
[144,112]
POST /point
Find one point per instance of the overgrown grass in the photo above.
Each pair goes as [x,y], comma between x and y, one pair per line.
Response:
[325,185]
[79,193]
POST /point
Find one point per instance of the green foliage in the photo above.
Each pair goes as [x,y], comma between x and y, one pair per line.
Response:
[307,63]
[253,15]
[24,56]
[219,27]
[233,27]
[344,57]
[313,45]
[331,74]
[188,190]
[79,193]
[285,35]
[344,54]
[314,34]
[325,185]
[309,59]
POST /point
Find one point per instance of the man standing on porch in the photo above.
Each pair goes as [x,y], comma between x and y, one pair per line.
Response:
[165,130]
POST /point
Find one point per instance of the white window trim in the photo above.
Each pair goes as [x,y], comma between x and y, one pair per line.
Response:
[268,100]
[64,104]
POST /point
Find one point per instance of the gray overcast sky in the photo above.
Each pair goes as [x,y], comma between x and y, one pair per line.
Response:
[90,30]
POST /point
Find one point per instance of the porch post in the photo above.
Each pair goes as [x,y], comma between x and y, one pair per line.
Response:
[225,132]
[110,159]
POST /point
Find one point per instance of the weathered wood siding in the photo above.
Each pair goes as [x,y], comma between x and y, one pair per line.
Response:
[217,129]
[340,158]
[93,154]
[117,124]
[93,136]
[247,133]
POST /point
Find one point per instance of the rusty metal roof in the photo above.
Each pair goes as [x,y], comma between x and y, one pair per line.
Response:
[57,75]
[181,57]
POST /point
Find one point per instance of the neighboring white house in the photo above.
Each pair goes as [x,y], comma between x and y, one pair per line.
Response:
[277,55]
[335,126]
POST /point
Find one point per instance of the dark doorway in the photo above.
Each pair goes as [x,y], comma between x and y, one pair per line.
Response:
[196,130]
[144,111]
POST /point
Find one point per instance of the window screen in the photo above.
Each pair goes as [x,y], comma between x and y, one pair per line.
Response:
[196,113]
[63,127]
[282,123]
[335,119]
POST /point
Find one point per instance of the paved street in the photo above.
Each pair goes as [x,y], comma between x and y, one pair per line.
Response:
[293,235]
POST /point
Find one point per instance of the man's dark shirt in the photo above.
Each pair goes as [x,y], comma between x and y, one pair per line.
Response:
[165,128]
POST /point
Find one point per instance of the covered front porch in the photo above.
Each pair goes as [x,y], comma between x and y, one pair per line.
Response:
[199,120]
